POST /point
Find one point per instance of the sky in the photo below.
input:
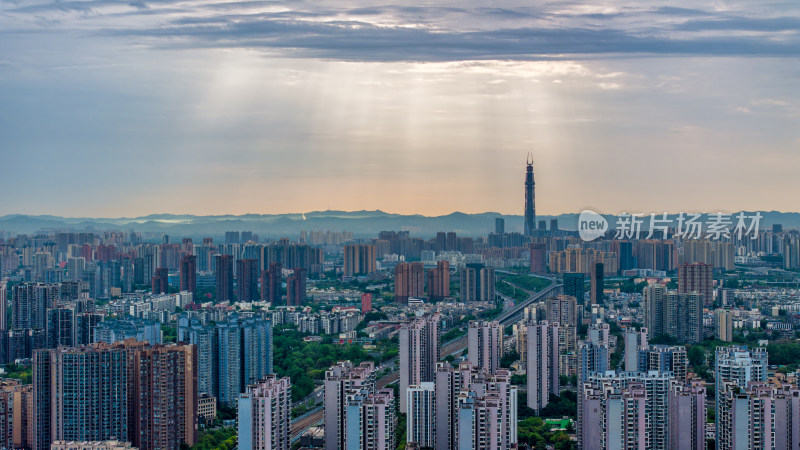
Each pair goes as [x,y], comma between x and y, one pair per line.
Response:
[127,108]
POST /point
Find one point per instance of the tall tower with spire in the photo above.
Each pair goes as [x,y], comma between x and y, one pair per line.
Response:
[530,198]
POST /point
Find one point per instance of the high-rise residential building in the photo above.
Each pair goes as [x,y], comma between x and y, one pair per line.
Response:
[598,333]
[409,281]
[271,284]
[421,416]
[247,280]
[592,359]
[597,284]
[465,408]
[487,413]
[723,324]
[739,366]
[29,304]
[359,259]
[244,355]
[370,420]
[438,281]
[85,324]
[60,327]
[127,327]
[628,410]
[538,257]
[665,358]
[202,337]
[758,416]
[296,287]
[687,416]
[673,314]
[342,380]
[419,352]
[223,274]
[635,342]
[188,273]
[80,394]
[366,302]
[530,199]
[574,285]
[562,309]
[485,345]
[164,395]
[542,361]
[265,414]
[160,281]
[468,284]
[499,225]
[16,414]
[697,277]
[487,284]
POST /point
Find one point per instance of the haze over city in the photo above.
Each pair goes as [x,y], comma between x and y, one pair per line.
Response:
[206,107]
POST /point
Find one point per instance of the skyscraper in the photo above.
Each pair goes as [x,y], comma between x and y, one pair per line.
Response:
[485,345]
[223,273]
[468,284]
[530,199]
[421,417]
[538,257]
[244,355]
[370,420]
[499,225]
[265,414]
[188,273]
[759,416]
[673,314]
[737,365]
[418,353]
[597,284]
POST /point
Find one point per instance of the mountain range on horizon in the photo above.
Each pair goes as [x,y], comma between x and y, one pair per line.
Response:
[361,223]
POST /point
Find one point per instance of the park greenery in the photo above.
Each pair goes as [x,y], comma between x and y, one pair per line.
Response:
[219,439]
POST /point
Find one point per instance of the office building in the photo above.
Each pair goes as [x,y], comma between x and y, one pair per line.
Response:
[247,280]
[359,259]
[409,281]
[223,273]
[597,284]
[296,287]
[188,273]
[542,363]
[485,345]
[697,277]
[499,225]
[574,285]
[418,353]
[341,380]
[264,414]
[438,281]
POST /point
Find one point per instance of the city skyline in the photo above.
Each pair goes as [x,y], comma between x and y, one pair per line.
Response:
[211,108]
